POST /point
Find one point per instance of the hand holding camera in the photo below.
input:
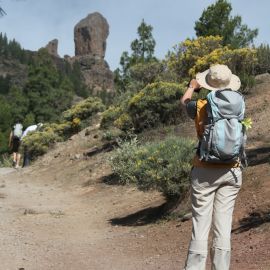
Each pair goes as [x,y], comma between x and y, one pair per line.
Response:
[195,85]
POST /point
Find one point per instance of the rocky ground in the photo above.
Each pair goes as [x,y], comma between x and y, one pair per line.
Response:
[62,213]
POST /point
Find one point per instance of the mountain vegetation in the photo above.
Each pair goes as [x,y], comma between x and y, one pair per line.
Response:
[39,95]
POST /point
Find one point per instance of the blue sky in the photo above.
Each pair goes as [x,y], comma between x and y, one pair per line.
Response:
[33,23]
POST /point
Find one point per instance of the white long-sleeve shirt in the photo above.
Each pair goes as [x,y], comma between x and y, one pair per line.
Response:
[29,129]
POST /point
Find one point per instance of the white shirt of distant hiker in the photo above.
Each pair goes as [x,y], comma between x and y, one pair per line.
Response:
[29,129]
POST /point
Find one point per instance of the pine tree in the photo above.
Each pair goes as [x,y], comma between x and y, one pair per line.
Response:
[216,20]
[142,52]
[143,47]
[48,93]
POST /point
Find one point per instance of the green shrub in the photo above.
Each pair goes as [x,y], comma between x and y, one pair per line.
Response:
[124,122]
[84,109]
[110,115]
[247,82]
[156,103]
[39,142]
[146,72]
[263,55]
[114,111]
[6,160]
[105,96]
[164,166]
[67,128]
[111,134]
[123,161]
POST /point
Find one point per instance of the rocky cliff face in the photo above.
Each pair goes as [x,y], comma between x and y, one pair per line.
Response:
[52,47]
[90,36]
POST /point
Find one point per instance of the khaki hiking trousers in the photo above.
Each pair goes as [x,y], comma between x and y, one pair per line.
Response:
[213,195]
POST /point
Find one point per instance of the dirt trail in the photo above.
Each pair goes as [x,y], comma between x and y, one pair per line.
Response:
[51,226]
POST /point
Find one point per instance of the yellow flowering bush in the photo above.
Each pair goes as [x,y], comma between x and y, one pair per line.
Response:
[84,109]
[193,56]
[124,122]
[238,60]
[243,60]
[66,128]
[156,103]
[110,115]
[217,56]
[76,124]
[186,54]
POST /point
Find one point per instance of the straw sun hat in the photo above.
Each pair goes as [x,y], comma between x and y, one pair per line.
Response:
[218,77]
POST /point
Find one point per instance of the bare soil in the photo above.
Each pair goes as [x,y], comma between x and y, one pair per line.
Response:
[62,213]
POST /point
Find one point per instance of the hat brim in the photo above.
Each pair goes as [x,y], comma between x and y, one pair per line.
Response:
[234,84]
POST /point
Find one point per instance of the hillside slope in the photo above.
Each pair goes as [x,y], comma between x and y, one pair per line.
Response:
[257,108]
[62,213]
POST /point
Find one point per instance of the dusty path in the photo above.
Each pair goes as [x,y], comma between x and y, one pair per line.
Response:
[44,226]
[48,225]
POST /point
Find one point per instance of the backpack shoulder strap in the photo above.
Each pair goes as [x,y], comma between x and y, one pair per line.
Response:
[201,116]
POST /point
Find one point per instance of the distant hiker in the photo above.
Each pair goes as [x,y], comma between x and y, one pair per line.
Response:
[14,143]
[216,176]
[26,154]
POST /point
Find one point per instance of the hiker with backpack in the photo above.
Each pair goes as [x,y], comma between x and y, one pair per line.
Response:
[216,176]
[14,143]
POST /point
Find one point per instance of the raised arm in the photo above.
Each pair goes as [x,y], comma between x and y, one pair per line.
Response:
[193,85]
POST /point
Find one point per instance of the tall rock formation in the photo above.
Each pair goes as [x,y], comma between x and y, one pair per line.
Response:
[90,36]
[52,47]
